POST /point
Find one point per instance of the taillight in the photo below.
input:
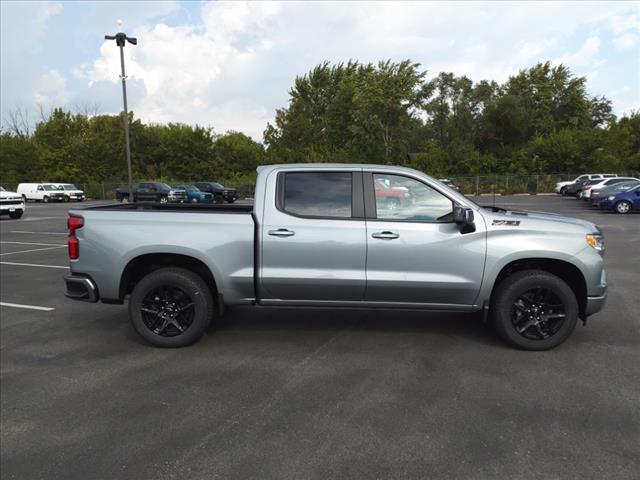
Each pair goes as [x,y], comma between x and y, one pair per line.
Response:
[73,224]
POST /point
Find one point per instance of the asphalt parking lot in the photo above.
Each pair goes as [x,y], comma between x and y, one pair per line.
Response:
[294,393]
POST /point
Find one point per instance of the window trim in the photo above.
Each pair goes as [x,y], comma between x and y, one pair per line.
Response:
[357,195]
[370,198]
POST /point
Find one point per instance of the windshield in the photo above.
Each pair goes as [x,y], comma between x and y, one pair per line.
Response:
[164,185]
[2,189]
[68,186]
[50,188]
[192,188]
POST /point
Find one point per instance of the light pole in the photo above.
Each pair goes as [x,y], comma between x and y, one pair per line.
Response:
[120,39]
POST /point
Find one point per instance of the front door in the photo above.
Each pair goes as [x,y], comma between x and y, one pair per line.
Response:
[415,253]
[314,238]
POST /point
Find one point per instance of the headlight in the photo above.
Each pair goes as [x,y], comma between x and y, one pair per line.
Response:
[596,241]
[611,197]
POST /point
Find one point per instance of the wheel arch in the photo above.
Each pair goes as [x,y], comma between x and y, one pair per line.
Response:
[142,265]
[563,269]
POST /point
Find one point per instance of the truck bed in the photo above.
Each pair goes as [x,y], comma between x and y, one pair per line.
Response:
[175,207]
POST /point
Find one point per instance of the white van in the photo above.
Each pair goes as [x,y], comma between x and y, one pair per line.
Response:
[40,192]
[71,192]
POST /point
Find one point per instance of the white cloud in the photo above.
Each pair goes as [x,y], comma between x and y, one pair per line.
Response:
[586,55]
[50,89]
[626,41]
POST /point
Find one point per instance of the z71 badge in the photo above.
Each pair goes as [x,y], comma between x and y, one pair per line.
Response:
[508,223]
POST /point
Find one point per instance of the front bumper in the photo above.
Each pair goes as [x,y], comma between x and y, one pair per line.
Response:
[596,303]
[80,287]
[9,207]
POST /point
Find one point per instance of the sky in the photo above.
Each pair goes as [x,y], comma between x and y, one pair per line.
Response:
[230,65]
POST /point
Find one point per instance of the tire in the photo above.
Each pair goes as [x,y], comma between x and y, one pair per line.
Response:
[563,191]
[17,214]
[124,199]
[184,287]
[509,311]
[218,199]
[232,200]
[577,194]
[163,199]
[66,198]
[622,207]
[194,200]
[24,197]
[45,199]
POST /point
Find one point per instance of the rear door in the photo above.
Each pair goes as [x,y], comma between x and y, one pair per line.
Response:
[313,237]
[415,253]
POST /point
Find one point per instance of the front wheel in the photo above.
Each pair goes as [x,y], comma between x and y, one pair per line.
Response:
[67,198]
[623,207]
[45,199]
[163,200]
[534,310]
[218,199]
[171,307]
[17,214]
[563,191]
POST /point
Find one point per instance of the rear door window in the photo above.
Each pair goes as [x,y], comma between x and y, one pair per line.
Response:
[317,194]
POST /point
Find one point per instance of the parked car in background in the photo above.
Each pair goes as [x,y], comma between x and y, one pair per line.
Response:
[220,194]
[599,194]
[40,192]
[449,184]
[71,192]
[11,203]
[623,202]
[562,187]
[152,192]
[599,184]
[194,195]
[389,196]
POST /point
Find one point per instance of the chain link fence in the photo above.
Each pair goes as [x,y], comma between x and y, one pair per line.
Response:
[469,185]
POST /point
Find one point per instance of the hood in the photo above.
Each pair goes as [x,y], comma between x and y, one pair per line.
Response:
[500,218]
[10,195]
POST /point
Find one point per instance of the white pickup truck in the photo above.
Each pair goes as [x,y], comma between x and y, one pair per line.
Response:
[11,203]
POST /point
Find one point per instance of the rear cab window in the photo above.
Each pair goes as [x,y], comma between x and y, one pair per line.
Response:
[316,194]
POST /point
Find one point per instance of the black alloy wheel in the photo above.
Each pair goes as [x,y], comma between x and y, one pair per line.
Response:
[167,311]
[538,314]
[534,310]
[171,307]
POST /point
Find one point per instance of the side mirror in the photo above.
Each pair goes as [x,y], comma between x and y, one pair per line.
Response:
[462,215]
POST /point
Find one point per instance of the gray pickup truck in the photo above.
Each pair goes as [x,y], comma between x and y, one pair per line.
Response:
[334,236]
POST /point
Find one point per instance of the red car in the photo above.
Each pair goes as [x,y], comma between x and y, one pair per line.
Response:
[388,196]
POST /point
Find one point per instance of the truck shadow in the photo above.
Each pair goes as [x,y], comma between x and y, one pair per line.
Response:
[464,325]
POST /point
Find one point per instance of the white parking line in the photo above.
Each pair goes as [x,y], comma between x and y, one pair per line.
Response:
[33,265]
[41,244]
[28,307]
[32,250]
[38,233]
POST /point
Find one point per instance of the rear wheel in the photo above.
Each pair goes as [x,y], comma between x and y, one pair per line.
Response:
[171,307]
[534,310]
[623,207]
[578,194]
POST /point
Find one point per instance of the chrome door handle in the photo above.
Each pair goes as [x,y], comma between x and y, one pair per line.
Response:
[386,235]
[281,232]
